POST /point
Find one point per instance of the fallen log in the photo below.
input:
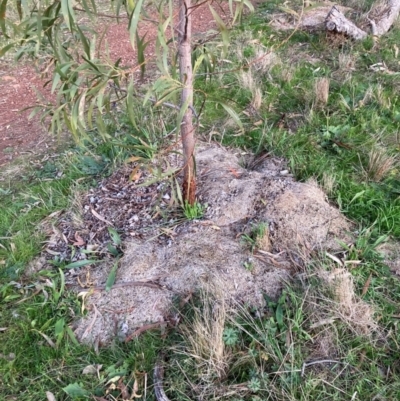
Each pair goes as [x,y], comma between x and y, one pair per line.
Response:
[377,21]
[383,15]
[381,18]
[336,22]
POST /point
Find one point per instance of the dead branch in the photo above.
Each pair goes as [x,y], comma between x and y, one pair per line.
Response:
[144,328]
[383,15]
[149,284]
[158,382]
[380,19]
[335,21]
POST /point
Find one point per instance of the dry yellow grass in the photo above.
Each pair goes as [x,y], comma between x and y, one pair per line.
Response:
[380,164]
[321,91]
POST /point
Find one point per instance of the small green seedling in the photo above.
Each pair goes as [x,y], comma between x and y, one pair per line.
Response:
[230,336]
[257,233]
[195,211]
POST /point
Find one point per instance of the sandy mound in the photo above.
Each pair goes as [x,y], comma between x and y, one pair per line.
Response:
[298,218]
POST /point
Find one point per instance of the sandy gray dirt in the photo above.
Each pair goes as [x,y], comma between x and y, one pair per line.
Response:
[299,219]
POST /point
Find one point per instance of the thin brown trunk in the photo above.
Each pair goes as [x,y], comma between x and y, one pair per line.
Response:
[186,76]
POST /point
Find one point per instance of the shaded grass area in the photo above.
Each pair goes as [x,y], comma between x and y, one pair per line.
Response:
[30,365]
[38,349]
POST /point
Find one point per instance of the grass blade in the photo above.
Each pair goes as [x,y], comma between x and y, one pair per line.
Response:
[111,277]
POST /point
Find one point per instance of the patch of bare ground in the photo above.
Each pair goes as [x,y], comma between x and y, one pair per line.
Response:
[20,83]
[20,135]
[165,257]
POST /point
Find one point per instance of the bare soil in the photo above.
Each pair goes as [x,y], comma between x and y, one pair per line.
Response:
[20,83]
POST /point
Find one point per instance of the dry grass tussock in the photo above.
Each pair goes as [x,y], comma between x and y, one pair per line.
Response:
[380,164]
[381,97]
[328,183]
[248,81]
[347,62]
[319,308]
[264,60]
[343,305]
[321,91]
[204,344]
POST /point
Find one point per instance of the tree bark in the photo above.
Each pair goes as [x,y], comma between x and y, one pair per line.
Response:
[381,17]
[186,76]
[337,22]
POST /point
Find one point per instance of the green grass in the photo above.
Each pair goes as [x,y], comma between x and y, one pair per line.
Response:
[37,367]
[38,350]
[340,138]
[350,145]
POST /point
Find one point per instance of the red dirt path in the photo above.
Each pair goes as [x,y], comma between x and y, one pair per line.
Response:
[20,135]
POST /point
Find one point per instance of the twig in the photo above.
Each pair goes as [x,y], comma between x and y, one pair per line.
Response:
[144,328]
[102,14]
[158,382]
[307,364]
[149,284]
[131,283]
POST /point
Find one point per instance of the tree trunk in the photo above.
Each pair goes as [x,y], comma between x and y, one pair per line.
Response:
[186,76]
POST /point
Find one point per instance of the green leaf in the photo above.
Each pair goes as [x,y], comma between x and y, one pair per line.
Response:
[59,330]
[80,263]
[141,44]
[130,104]
[68,13]
[5,49]
[71,335]
[3,8]
[279,315]
[19,9]
[133,22]
[57,294]
[116,239]
[56,81]
[222,27]
[162,49]
[111,277]
[356,196]
[233,114]
[85,41]
[113,250]
[75,390]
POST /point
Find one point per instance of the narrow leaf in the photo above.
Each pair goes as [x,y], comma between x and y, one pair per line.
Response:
[116,239]
[222,27]
[233,114]
[85,41]
[111,277]
[5,49]
[71,335]
[3,8]
[133,22]
[279,315]
[81,263]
